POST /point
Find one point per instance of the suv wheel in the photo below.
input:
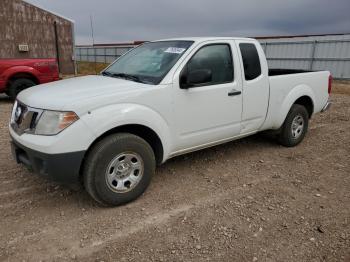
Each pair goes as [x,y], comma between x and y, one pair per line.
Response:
[295,126]
[17,86]
[118,169]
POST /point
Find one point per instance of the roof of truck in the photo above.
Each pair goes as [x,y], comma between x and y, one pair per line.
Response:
[201,39]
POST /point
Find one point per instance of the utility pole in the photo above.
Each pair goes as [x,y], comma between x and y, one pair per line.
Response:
[93,41]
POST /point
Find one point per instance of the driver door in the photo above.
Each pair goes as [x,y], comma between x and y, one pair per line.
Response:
[208,110]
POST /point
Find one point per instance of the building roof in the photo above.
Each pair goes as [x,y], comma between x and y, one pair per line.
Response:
[294,36]
[201,39]
[49,11]
[195,39]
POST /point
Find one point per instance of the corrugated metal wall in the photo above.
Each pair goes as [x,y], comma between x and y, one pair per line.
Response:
[309,53]
[101,54]
[23,23]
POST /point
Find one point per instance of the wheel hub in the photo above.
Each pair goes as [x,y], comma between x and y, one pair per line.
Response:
[124,172]
[297,126]
[123,169]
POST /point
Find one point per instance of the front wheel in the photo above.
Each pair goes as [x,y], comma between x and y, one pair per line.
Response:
[118,169]
[295,126]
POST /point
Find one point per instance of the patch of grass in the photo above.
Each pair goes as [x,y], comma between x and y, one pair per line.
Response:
[341,87]
[90,68]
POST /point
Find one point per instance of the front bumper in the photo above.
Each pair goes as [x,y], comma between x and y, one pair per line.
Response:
[63,168]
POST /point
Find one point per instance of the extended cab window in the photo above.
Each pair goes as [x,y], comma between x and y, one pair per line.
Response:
[215,59]
[251,61]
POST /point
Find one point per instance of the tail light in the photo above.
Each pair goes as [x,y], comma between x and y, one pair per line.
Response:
[330,79]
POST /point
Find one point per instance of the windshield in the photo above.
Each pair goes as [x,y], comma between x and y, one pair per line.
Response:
[148,63]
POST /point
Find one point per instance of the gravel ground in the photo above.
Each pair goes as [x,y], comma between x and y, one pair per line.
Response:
[249,200]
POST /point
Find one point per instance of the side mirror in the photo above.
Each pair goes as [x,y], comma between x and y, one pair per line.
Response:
[195,77]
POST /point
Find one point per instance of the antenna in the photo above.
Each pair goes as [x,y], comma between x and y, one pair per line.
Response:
[93,41]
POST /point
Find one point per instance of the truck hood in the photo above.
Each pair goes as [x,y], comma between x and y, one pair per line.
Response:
[56,95]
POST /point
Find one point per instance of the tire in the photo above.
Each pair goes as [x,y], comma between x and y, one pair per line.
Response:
[295,126]
[19,85]
[118,169]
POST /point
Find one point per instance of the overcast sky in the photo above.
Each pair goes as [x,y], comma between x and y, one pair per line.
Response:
[129,20]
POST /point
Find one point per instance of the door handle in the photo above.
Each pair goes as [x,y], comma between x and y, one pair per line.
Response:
[234,92]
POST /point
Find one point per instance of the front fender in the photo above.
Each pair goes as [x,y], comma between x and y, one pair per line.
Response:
[7,74]
[109,117]
[289,100]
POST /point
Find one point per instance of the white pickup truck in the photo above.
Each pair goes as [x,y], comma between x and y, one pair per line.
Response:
[162,99]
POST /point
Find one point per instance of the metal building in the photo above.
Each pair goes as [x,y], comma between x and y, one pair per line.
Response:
[29,31]
[318,52]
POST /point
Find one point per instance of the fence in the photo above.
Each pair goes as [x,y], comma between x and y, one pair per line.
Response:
[101,54]
[308,53]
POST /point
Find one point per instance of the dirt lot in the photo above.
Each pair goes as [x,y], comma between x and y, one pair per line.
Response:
[249,200]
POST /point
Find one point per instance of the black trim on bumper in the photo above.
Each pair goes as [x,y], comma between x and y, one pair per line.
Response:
[62,168]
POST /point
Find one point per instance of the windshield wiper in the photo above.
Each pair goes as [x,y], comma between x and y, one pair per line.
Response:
[127,76]
[105,73]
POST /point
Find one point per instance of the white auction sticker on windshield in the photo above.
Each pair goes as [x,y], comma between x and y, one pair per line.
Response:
[175,50]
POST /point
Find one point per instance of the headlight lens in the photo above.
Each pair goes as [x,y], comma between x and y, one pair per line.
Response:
[53,122]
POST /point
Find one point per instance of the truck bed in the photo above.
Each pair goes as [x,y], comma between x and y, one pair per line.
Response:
[280,71]
[285,82]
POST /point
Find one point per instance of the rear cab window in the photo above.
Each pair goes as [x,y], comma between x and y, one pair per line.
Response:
[251,61]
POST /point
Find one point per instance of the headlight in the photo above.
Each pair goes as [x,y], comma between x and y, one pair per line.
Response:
[53,122]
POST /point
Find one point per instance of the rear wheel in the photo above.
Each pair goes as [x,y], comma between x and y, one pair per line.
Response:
[19,85]
[295,126]
[119,169]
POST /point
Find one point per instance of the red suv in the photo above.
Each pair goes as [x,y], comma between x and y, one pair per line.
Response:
[19,74]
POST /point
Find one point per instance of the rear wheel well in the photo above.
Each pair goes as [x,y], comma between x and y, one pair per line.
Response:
[306,101]
[20,76]
[144,132]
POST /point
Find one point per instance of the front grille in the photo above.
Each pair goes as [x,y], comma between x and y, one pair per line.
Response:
[24,118]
